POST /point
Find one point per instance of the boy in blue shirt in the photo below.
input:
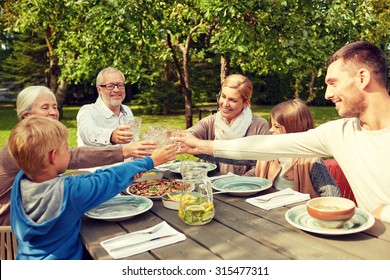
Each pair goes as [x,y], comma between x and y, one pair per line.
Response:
[47,209]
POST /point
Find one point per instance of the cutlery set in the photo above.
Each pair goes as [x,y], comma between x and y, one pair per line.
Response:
[141,241]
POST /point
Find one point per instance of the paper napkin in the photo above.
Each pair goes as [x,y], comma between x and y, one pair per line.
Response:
[280,198]
[141,241]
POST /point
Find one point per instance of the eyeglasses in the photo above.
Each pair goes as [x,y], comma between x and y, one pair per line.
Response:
[112,86]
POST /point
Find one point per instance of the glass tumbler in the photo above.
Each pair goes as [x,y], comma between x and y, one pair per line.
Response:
[135,126]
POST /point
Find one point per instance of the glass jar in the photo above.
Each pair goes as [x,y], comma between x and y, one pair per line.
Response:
[196,202]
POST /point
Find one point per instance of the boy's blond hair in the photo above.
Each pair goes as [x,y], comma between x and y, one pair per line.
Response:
[31,141]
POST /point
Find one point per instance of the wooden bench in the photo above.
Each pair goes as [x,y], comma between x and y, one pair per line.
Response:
[210,109]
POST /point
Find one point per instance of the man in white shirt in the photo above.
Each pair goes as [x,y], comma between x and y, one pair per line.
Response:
[98,123]
[356,83]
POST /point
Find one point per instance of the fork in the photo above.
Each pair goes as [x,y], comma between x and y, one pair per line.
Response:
[259,199]
[151,231]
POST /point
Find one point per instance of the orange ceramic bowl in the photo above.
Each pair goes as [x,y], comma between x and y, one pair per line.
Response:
[331,212]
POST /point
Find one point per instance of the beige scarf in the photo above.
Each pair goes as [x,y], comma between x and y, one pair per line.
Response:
[236,129]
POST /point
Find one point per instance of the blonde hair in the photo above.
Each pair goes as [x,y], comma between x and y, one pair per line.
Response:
[241,83]
[27,97]
[99,78]
[294,115]
[32,139]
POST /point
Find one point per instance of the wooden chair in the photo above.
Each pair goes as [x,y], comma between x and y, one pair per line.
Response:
[338,175]
[8,243]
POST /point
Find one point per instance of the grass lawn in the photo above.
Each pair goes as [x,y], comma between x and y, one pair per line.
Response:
[8,119]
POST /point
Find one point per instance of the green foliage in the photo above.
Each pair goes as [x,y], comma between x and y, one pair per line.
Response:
[7,121]
[278,43]
[26,61]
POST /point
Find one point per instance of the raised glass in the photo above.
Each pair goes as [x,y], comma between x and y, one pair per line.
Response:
[135,125]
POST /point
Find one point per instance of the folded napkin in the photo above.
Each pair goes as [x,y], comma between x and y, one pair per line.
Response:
[280,198]
[141,241]
[230,174]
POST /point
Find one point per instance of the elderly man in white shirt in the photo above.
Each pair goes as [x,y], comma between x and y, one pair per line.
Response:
[98,123]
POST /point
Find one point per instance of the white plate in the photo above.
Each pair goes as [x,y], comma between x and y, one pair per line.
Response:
[207,165]
[242,185]
[120,208]
[299,218]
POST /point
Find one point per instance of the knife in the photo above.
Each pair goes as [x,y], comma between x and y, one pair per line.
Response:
[144,241]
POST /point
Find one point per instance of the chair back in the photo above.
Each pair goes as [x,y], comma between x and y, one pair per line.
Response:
[8,243]
[338,175]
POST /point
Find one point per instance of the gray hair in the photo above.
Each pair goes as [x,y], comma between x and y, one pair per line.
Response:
[99,78]
[27,97]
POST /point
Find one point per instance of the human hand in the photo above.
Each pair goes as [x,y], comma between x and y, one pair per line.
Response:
[137,176]
[139,149]
[188,143]
[122,135]
[164,154]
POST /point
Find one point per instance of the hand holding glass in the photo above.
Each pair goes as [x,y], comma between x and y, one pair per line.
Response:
[135,126]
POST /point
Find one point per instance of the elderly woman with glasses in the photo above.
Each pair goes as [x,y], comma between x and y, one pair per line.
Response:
[98,123]
[234,119]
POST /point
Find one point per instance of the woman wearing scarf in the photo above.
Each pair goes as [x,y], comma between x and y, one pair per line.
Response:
[234,119]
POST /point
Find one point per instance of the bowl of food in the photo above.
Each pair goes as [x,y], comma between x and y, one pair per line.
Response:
[331,212]
[171,200]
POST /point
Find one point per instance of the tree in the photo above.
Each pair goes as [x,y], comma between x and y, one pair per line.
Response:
[25,60]
[47,19]
[167,47]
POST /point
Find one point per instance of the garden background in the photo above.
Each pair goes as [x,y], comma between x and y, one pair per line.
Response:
[175,53]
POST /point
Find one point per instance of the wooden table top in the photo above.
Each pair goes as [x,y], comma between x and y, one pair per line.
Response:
[240,230]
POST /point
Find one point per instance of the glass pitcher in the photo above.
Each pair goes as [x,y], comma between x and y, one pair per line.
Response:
[196,202]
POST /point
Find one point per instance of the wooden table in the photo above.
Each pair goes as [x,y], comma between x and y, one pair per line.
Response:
[240,230]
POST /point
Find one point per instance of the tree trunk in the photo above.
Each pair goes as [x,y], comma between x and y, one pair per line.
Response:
[225,67]
[186,89]
[185,86]
[183,72]
[60,95]
[57,87]
[312,93]
[297,87]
